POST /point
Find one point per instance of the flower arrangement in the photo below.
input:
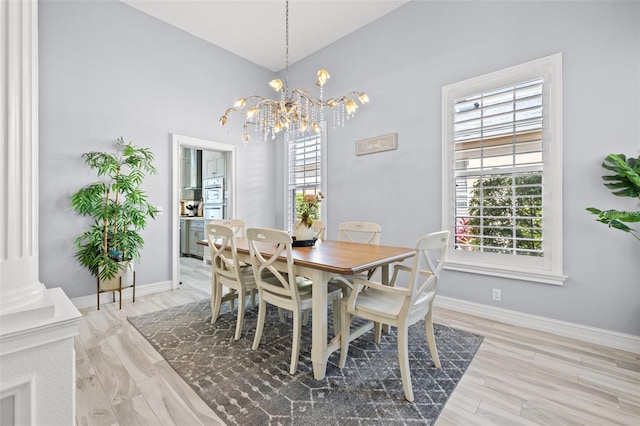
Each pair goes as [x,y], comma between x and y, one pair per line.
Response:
[309,208]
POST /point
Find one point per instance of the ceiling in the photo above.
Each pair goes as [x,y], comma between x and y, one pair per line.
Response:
[255,30]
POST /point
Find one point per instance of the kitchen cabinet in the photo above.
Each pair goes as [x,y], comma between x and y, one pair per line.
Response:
[196,233]
[184,240]
[191,231]
[213,164]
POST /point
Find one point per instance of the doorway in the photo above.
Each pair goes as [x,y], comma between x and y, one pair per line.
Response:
[179,142]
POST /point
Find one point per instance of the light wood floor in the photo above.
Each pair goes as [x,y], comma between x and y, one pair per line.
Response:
[518,376]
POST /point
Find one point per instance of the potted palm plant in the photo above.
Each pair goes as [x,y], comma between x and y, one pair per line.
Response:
[119,210]
[625,182]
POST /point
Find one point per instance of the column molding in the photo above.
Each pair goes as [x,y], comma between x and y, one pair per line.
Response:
[19,269]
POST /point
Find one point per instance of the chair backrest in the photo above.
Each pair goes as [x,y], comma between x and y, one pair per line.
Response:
[426,269]
[236,224]
[280,285]
[431,245]
[224,257]
[359,232]
[319,228]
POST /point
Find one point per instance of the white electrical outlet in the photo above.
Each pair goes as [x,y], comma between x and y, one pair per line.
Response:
[496,294]
[159,211]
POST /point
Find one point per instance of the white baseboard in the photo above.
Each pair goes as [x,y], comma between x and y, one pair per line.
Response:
[141,290]
[599,336]
[613,339]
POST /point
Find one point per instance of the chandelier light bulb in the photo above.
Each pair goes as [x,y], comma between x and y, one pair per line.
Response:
[323,76]
[351,106]
[251,112]
[276,84]
[240,103]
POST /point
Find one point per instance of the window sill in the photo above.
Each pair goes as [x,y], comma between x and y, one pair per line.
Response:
[516,274]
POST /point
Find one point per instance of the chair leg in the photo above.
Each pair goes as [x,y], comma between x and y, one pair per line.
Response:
[232,303]
[252,299]
[295,348]
[345,325]
[377,332]
[428,325]
[305,317]
[282,314]
[262,310]
[215,303]
[403,359]
[240,319]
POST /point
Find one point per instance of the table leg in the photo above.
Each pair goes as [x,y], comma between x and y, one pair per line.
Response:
[319,351]
[385,274]
[385,327]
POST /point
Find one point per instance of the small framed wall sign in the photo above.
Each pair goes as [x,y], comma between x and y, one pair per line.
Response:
[377,144]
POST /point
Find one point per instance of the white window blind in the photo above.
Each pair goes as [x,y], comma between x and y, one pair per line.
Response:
[305,172]
[498,170]
[502,172]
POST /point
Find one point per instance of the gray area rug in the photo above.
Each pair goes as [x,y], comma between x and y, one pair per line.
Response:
[247,387]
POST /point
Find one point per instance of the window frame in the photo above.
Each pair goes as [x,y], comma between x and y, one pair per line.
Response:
[290,220]
[549,267]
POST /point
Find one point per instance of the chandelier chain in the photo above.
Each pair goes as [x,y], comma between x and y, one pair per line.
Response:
[286,82]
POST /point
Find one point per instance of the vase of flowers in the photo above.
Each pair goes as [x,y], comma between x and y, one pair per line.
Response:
[308,211]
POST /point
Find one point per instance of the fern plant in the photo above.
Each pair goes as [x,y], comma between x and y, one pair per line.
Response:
[118,207]
[624,183]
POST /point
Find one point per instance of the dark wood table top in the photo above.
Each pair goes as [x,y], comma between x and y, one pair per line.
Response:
[339,257]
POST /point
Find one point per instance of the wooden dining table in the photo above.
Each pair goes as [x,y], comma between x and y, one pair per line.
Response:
[320,263]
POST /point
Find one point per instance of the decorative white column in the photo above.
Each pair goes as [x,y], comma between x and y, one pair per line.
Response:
[37,325]
[19,281]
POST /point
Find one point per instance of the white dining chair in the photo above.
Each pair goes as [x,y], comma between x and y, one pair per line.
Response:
[226,271]
[285,290]
[236,224]
[356,232]
[319,229]
[359,232]
[401,303]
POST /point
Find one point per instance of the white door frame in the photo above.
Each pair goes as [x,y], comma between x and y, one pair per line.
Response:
[179,142]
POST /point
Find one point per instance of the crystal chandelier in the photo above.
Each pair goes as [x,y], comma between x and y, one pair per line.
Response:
[296,110]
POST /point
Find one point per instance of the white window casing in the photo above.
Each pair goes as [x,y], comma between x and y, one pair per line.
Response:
[306,170]
[505,127]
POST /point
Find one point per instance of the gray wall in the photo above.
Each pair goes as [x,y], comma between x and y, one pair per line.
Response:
[108,70]
[403,60]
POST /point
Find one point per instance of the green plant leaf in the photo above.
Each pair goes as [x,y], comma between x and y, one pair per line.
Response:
[117,204]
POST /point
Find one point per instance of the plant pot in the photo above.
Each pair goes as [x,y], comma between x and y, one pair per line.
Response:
[126,272]
[302,232]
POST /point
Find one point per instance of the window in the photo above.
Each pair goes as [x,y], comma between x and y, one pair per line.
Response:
[306,173]
[502,172]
